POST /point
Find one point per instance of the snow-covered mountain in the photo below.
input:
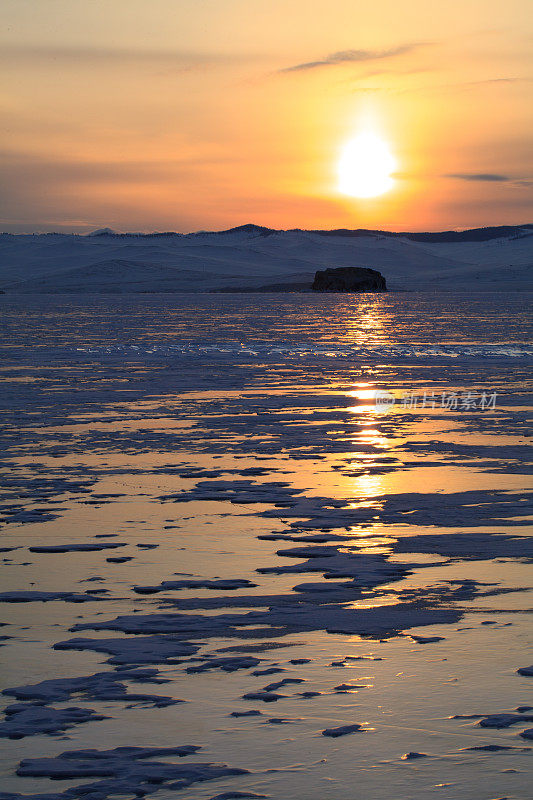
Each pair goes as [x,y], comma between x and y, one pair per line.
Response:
[249,257]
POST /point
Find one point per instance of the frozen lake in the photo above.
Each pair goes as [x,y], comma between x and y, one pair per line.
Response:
[215,545]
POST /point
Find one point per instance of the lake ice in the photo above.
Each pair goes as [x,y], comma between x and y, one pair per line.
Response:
[226,574]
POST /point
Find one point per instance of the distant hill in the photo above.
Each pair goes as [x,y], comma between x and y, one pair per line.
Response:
[473,235]
[249,257]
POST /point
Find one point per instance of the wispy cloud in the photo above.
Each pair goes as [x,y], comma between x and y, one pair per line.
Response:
[353,57]
[466,85]
[480,176]
[109,56]
[491,177]
[20,171]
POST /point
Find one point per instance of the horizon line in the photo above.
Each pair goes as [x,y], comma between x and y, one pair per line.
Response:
[268,230]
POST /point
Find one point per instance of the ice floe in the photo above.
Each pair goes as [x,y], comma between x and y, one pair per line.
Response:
[343,730]
[219,584]
[124,771]
[140,650]
[26,719]
[81,547]
[102,686]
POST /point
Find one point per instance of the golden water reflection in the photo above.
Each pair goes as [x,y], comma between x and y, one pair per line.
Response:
[369,327]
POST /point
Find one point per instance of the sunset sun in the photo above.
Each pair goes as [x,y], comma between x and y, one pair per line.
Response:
[365,166]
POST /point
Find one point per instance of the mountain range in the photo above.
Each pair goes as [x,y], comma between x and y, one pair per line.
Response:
[252,258]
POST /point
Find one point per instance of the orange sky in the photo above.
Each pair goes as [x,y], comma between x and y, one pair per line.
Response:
[205,114]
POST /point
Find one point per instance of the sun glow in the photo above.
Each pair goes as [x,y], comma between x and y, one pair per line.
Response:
[365,166]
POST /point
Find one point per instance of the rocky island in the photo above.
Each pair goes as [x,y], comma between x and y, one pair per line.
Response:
[349,279]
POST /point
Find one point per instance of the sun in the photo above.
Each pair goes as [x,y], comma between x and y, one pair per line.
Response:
[366,166]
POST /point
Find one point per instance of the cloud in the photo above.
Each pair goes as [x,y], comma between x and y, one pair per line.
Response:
[462,85]
[491,177]
[470,84]
[353,57]
[109,56]
[23,173]
[480,176]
